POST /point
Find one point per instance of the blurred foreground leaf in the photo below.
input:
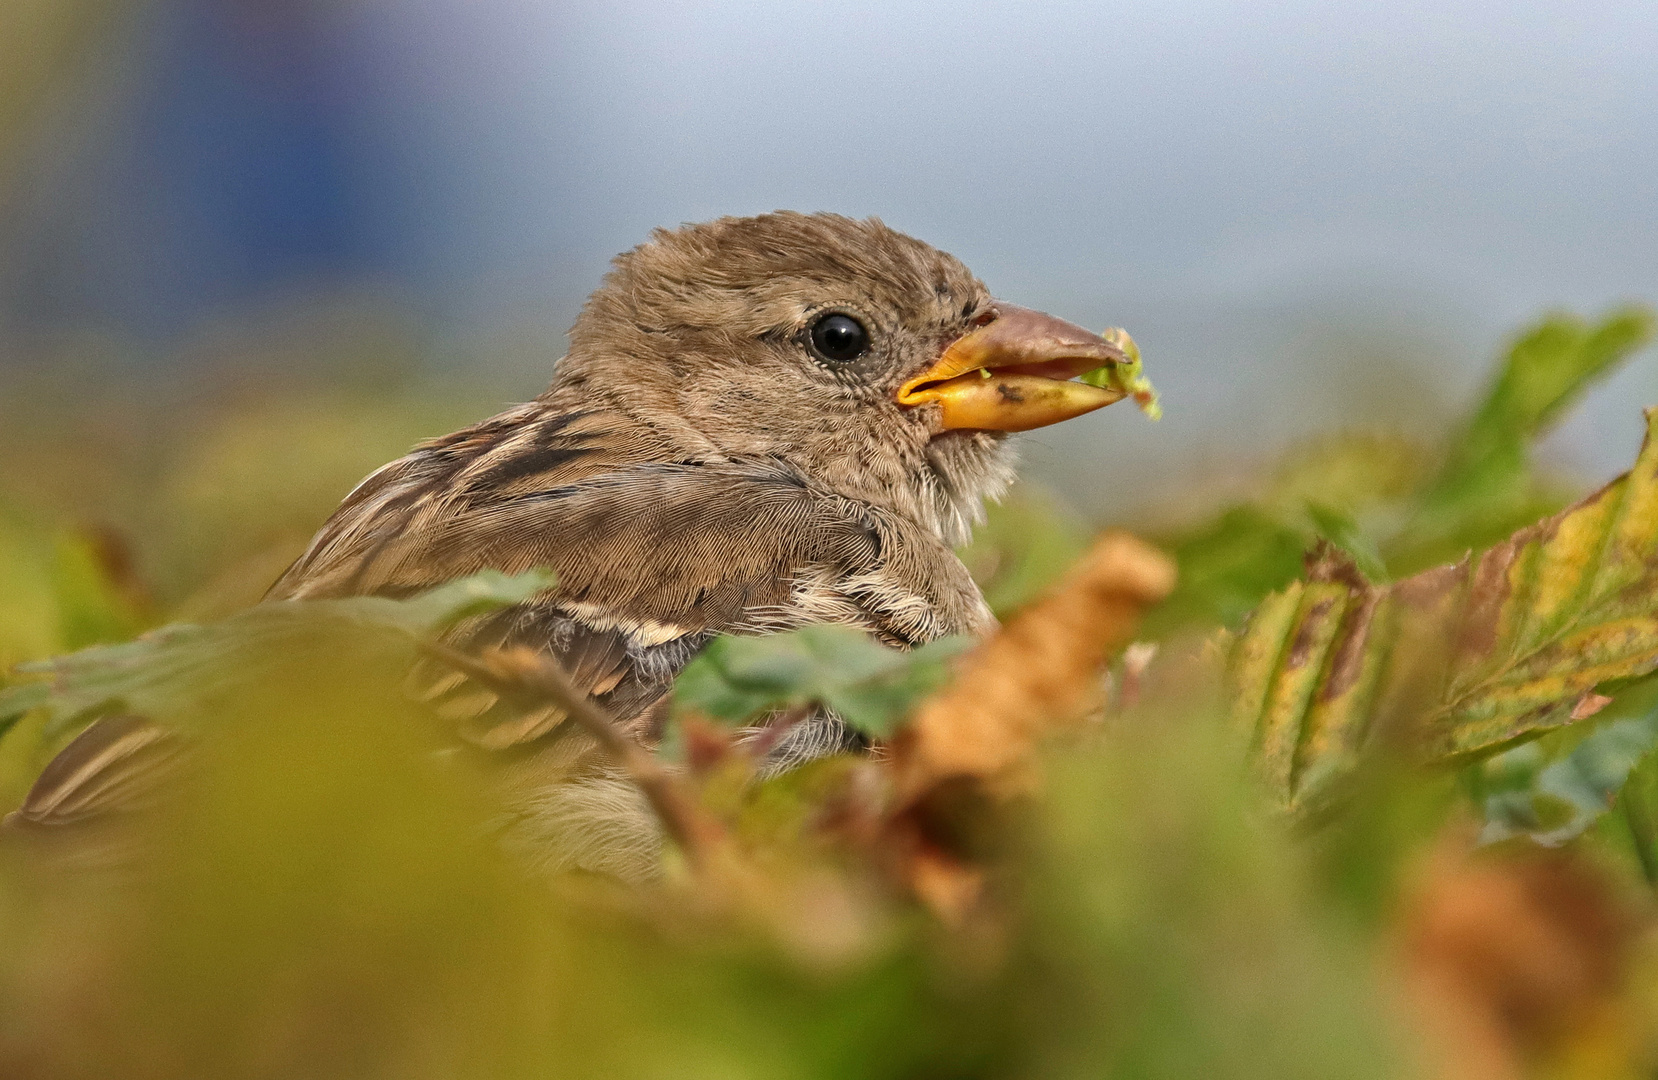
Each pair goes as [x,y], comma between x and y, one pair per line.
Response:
[1039,676]
[1466,657]
[320,854]
[1168,930]
[172,672]
[841,668]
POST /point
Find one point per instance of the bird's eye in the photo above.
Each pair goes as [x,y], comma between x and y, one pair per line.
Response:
[840,338]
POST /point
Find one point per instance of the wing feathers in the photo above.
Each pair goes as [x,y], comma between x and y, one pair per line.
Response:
[120,761]
[654,555]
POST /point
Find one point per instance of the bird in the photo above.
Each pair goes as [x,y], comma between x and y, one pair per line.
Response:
[761,423]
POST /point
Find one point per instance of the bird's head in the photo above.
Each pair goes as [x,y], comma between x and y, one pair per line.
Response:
[862,359]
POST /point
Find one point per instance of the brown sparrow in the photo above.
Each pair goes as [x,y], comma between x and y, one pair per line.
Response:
[761,423]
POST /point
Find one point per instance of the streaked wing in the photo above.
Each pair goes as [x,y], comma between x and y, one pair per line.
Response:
[653,559]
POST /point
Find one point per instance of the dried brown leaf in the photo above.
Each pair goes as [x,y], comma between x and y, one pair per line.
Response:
[1040,673]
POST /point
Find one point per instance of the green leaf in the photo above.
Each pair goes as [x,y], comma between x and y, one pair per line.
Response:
[1469,657]
[1128,379]
[1227,569]
[1486,482]
[437,608]
[1340,529]
[171,671]
[1639,800]
[1547,368]
[17,700]
[867,684]
[1553,801]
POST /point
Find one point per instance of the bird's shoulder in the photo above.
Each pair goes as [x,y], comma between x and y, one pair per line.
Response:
[645,535]
[534,447]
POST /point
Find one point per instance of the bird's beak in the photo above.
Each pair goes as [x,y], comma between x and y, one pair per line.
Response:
[1014,373]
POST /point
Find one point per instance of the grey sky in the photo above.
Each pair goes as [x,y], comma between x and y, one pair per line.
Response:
[1307,213]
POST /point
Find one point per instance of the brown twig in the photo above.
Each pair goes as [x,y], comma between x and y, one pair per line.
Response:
[530,678]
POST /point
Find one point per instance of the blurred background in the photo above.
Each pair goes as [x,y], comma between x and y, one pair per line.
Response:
[249,249]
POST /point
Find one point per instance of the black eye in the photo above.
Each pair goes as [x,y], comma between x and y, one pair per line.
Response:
[840,338]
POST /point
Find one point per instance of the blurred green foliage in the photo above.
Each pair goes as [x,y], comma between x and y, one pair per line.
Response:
[62,592]
[1397,508]
[1486,487]
[324,900]
[201,489]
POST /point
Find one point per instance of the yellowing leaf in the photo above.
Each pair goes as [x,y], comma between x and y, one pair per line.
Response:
[1463,659]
